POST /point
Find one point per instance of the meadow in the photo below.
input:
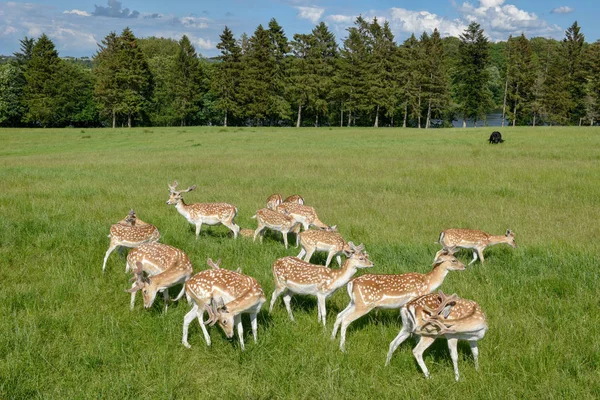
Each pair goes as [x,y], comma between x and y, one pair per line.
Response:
[67,331]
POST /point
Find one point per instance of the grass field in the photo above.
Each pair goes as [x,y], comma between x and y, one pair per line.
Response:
[67,331]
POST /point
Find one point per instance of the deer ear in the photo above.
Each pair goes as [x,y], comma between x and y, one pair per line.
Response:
[509,233]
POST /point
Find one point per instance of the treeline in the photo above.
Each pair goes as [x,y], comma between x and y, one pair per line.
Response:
[269,80]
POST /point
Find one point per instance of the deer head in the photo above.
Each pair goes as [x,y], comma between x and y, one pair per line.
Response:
[511,238]
[176,196]
[448,261]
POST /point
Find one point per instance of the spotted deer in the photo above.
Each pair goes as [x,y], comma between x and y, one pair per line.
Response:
[437,315]
[478,241]
[203,213]
[155,258]
[130,232]
[294,276]
[295,198]
[305,215]
[225,295]
[276,221]
[371,291]
[328,240]
[273,201]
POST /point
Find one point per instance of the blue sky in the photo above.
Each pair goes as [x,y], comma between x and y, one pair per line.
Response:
[76,26]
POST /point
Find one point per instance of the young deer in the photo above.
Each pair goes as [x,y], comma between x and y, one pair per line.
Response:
[277,221]
[305,215]
[155,258]
[225,295]
[436,315]
[451,239]
[294,199]
[177,269]
[130,232]
[273,201]
[293,275]
[327,240]
[391,291]
[204,213]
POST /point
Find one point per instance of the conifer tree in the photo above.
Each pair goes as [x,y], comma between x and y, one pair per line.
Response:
[188,81]
[301,83]
[437,84]
[520,79]
[11,92]
[227,76]
[592,66]
[381,69]
[107,90]
[323,55]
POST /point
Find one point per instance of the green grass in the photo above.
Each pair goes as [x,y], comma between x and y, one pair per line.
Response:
[67,331]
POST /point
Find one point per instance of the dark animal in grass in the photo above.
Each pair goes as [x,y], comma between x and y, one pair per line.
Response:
[496,137]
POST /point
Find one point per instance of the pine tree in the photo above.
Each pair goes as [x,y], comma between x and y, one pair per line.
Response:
[410,78]
[323,55]
[592,66]
[11,93]
[301,83]
[278,108]
[576,75]
[472,76]
[437,87]
[520,79]
[188,81]
[227,76]
[107,90]
[381,72]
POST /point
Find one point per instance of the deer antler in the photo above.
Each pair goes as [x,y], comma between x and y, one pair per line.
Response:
[188,189]
[214,265]
[212,317]
[442,310]
[355,248]
[173,186]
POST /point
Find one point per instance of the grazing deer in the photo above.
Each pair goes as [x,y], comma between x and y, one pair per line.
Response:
[204,213]
[391,291]
[293,275]
[130,232]
[225,295]
[436,315]
[328,240]
[451,239]
[155,258]
[277,221]
[294,199]
[273,201]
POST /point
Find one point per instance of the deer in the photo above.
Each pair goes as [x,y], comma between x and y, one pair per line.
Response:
[273,201]
[277,221]
[203,213]
[437,315]
[478,241]
[328,240]
[154,259]
[305,215]
[292,275]
[225,295]
[295,198]
[130,232]
[391,291]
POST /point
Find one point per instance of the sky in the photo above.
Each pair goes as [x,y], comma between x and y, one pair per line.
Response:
[77,26]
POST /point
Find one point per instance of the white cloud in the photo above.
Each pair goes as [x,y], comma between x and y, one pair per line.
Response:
[562,10]
[340,19]
[311,13]
[420,21]
[204,44]
[78,12]
[194,22]
[9,30]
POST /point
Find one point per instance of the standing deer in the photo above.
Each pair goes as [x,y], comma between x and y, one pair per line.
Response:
[327,240]
[293,275]
[130,232]
[273,201]
[225,295]
[156,258]
[277,221]
[305,215]
[371,291]
[204,213]
[451,239]
[436,315]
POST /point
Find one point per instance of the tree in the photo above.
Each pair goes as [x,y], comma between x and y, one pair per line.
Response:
[188,81]
[381,82]
[436,87]
[226,79]
[322,58]
[107,90]
[411,78]
[520,79]
[592,66]
[301,84]
[11,92]
[279,108]
[472,76]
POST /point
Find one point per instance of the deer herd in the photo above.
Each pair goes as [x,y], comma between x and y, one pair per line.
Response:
[225,295]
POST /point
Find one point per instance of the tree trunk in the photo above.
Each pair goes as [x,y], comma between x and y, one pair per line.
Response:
[419,105]
[114,119]
[580,121]
[464,122]
[299,115]
[592,121]
[376,118]
[428,123]
[317,121]
[475,123]
[504,104]
[405,114]
[129,120]
[225,120]
[534,115]
[349,118]
[341,114]
[514,122]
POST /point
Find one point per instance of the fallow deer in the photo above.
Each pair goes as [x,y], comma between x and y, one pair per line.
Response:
[225,295]
[371,291]
[203,213]
[436,315]
[295,198]
[451,239]
[273,201]
[328,240]
[294,276]
[155,259]
[305,215]
[277,221]
[130,232]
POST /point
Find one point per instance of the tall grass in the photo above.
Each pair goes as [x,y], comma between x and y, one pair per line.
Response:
[67,331]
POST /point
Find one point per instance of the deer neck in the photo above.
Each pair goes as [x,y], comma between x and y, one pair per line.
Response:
[492,240]
[343,275]
[436,277]
[182,207]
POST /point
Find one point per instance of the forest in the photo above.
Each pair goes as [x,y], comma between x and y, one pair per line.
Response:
[270,79]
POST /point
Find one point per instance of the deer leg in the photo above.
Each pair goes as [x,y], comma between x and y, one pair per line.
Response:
[309,254]
[200,315]
[347,320]
[474,257]
[480,254]
[240,330]
[329,257]
[189,317]
[180,293]
[233,227]
[418,351]
[402,336]
[285,238]
[257,232]
[110,250]
[339,318]
[452,345]
[475,351]
[302,253]
[132,303]
[339,260]
[166,298]
[198,227]
[254,324]
[276,293]
[321,302]
[287,298]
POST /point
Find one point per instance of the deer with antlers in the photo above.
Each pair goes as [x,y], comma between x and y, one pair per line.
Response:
[437,315]
[327,240]
[453,239]
[293,275]
[225,295]
[371,291]
[157,267]
[203,213]
[130,232]
[276,221]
